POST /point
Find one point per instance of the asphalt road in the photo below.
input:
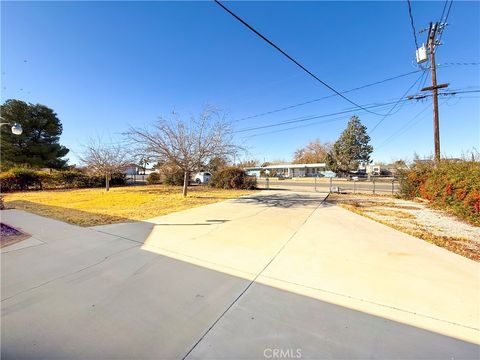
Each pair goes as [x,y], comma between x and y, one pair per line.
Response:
[270,274]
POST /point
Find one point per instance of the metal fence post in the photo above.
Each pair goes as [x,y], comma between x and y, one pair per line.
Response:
[330,185]
[374,185]
[354,186]
[393,182]
[268,184]
[315,183]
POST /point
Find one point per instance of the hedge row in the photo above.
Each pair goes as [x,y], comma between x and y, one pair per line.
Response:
[20,179]
[170,177]
[154,178]
[226,178]
[453,186]
[233,178]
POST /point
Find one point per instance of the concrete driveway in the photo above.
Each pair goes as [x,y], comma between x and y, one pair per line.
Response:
[275,275]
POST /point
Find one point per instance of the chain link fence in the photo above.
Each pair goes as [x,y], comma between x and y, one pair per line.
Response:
[136,179]
[374,185]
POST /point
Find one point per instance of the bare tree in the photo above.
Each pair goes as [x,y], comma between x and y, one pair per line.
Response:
[314,152]
[105,160]
[189,145]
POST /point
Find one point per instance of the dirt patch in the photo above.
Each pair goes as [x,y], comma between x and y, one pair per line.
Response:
[9,235]
[417,219]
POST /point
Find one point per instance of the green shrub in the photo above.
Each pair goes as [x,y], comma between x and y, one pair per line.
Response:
[153,178]
[116,180]
[174,177]
[8,182]
[233,178]
[92,181]
[20,179]
[71,179]
[26,178]
[453,186]
[48,180]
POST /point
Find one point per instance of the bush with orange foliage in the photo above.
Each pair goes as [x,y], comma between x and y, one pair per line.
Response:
[450,185]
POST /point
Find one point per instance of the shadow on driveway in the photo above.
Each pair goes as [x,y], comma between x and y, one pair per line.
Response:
[283,199]
[137,304]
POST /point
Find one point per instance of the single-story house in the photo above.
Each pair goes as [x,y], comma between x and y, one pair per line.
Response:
[290,170]
[134,169]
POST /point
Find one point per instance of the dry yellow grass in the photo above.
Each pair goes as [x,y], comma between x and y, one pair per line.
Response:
[391,213]
[89,207]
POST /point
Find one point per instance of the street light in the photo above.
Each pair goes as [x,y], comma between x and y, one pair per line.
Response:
[16,128]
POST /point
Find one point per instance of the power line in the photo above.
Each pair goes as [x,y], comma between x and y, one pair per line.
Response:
[458,64]
[401,100]
[445,93]
[405,127]
[292,59]
[409,124]
[412,23]
[301,119]
[443,11]
[394,106]
[421,84]
[325,97]
[333,120]
[296,120]
[444,22]
[459,92]
[448,12]
[295,127]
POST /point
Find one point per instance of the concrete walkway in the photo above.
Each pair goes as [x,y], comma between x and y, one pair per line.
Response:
[277,273]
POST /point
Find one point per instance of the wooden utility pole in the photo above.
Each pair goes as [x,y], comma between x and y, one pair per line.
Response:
[436,130]
[432,43]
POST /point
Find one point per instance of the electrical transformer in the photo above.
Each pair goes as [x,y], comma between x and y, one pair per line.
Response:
[422,54]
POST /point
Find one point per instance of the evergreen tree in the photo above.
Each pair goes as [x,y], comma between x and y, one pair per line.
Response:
[351,148]
[38,145]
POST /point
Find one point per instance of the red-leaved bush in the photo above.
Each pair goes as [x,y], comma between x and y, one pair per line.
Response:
[453,186]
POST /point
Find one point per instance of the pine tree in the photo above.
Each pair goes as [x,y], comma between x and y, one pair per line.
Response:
[351,148]
[38,145]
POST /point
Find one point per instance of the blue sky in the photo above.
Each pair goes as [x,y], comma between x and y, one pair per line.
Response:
[103,66]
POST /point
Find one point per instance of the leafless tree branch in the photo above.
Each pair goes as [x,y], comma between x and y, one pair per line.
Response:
[189,145]
[105,159]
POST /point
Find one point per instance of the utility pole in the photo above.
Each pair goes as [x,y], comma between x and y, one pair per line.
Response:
[436,130]
[432,42]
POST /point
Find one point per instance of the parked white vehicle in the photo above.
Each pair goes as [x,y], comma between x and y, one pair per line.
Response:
[202,177]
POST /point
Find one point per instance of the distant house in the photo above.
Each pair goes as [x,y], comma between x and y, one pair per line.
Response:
[135,169]
[289,170]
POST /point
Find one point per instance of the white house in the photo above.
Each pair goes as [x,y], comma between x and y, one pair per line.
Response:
[134,169]
[290,170]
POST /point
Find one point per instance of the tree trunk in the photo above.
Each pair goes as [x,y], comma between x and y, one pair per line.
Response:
[107,182]
[185,183]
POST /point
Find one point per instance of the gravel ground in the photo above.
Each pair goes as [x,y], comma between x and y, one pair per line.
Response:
[416,217]
[435,221]
[443,224]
